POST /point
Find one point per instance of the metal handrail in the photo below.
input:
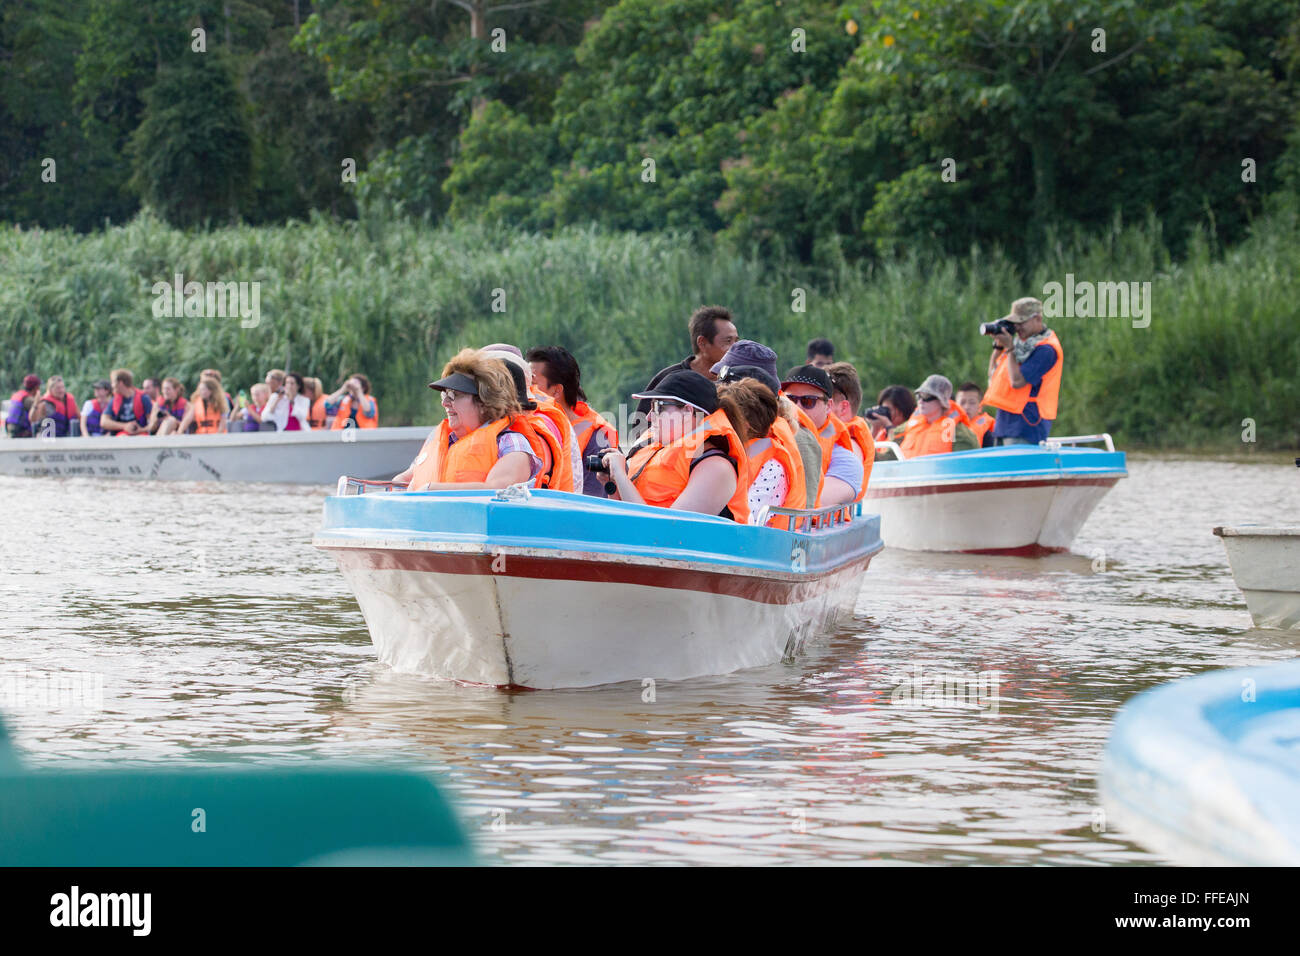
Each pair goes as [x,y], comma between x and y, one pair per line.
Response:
[809,519]
[890,446]
[360,486]
[1077,440]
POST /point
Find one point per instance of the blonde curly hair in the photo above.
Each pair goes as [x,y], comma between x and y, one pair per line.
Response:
[496,397]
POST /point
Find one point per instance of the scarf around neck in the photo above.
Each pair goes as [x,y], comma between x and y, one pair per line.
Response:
[1025,347]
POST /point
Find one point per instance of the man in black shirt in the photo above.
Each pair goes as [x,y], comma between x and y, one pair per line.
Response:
[713,331]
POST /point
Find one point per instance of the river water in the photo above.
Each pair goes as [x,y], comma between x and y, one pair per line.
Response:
[202,623]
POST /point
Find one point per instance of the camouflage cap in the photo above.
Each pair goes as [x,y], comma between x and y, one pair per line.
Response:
[1022,310]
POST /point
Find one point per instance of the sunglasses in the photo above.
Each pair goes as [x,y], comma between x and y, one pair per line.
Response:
[808,402]
[659,405]
[926,398]
[450,395]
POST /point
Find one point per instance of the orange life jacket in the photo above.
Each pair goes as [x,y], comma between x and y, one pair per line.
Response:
[316,417]
[587,423]
[783,435]
[557,468]
[1002,395]
[758,453]
[806,422]
[206,422]
[921,437]
[551,409]
[344,414]
[981,425]
[860,432]
[660,472]
[469,459]
[828,436]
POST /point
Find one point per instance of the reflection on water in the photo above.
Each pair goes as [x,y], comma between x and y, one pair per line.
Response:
[218,630]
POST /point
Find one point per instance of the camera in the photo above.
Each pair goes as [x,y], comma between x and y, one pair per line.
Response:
[880,410]
[594,463]
[998,327]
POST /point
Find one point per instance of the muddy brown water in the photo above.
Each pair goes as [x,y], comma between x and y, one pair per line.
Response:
[959,717]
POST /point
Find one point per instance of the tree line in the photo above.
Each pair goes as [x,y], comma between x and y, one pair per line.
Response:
[811,130]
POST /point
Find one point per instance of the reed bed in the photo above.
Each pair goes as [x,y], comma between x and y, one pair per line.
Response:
[395,299]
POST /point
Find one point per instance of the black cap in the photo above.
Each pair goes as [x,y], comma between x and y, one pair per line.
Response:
[733,373]
[809,375]
[690,388]
[521,384]
[457,381]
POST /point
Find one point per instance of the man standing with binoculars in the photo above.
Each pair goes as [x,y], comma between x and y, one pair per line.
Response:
[1024,374]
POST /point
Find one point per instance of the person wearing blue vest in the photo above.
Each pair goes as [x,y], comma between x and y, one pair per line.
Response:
[128,412]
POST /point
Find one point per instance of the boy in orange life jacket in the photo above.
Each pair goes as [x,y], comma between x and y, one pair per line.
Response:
[695,456]
[1024,376]
[969,399]
[938,425]
[846,397]
[810,388]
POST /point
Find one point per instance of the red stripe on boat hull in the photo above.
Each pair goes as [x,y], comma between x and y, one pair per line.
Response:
[986,486]
[750,588]
[1024,551]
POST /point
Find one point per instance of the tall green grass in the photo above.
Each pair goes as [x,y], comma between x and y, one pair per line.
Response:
[396,299]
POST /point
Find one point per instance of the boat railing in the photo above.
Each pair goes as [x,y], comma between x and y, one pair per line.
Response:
[890,446]
[1055,443]
[809,519]
[360,486]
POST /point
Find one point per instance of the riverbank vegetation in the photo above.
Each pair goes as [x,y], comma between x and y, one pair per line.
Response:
[396,298]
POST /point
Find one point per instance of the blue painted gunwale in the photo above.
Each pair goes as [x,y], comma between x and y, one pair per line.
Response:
[563,522]
[1006,463]
[1162,737]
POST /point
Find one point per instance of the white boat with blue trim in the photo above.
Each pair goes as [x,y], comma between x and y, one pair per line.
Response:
[1014,499]
[545,589]
[1206,770]
[314,457]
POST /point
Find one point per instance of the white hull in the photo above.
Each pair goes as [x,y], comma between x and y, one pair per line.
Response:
[1027,518]
[548,632]
[314,457]
[1266,566]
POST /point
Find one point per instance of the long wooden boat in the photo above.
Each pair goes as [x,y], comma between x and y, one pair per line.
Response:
[1266,566]
[1206,771]
[1015,499]
[310,457]
[547,589]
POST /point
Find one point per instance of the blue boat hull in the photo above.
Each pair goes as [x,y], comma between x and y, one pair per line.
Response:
[563,590]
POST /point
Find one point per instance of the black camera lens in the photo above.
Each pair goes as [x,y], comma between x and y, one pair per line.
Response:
[594,463]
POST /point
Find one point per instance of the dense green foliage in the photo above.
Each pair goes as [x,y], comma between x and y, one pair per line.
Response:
[77,78]
[810,128]
[611,164]
[396,300]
